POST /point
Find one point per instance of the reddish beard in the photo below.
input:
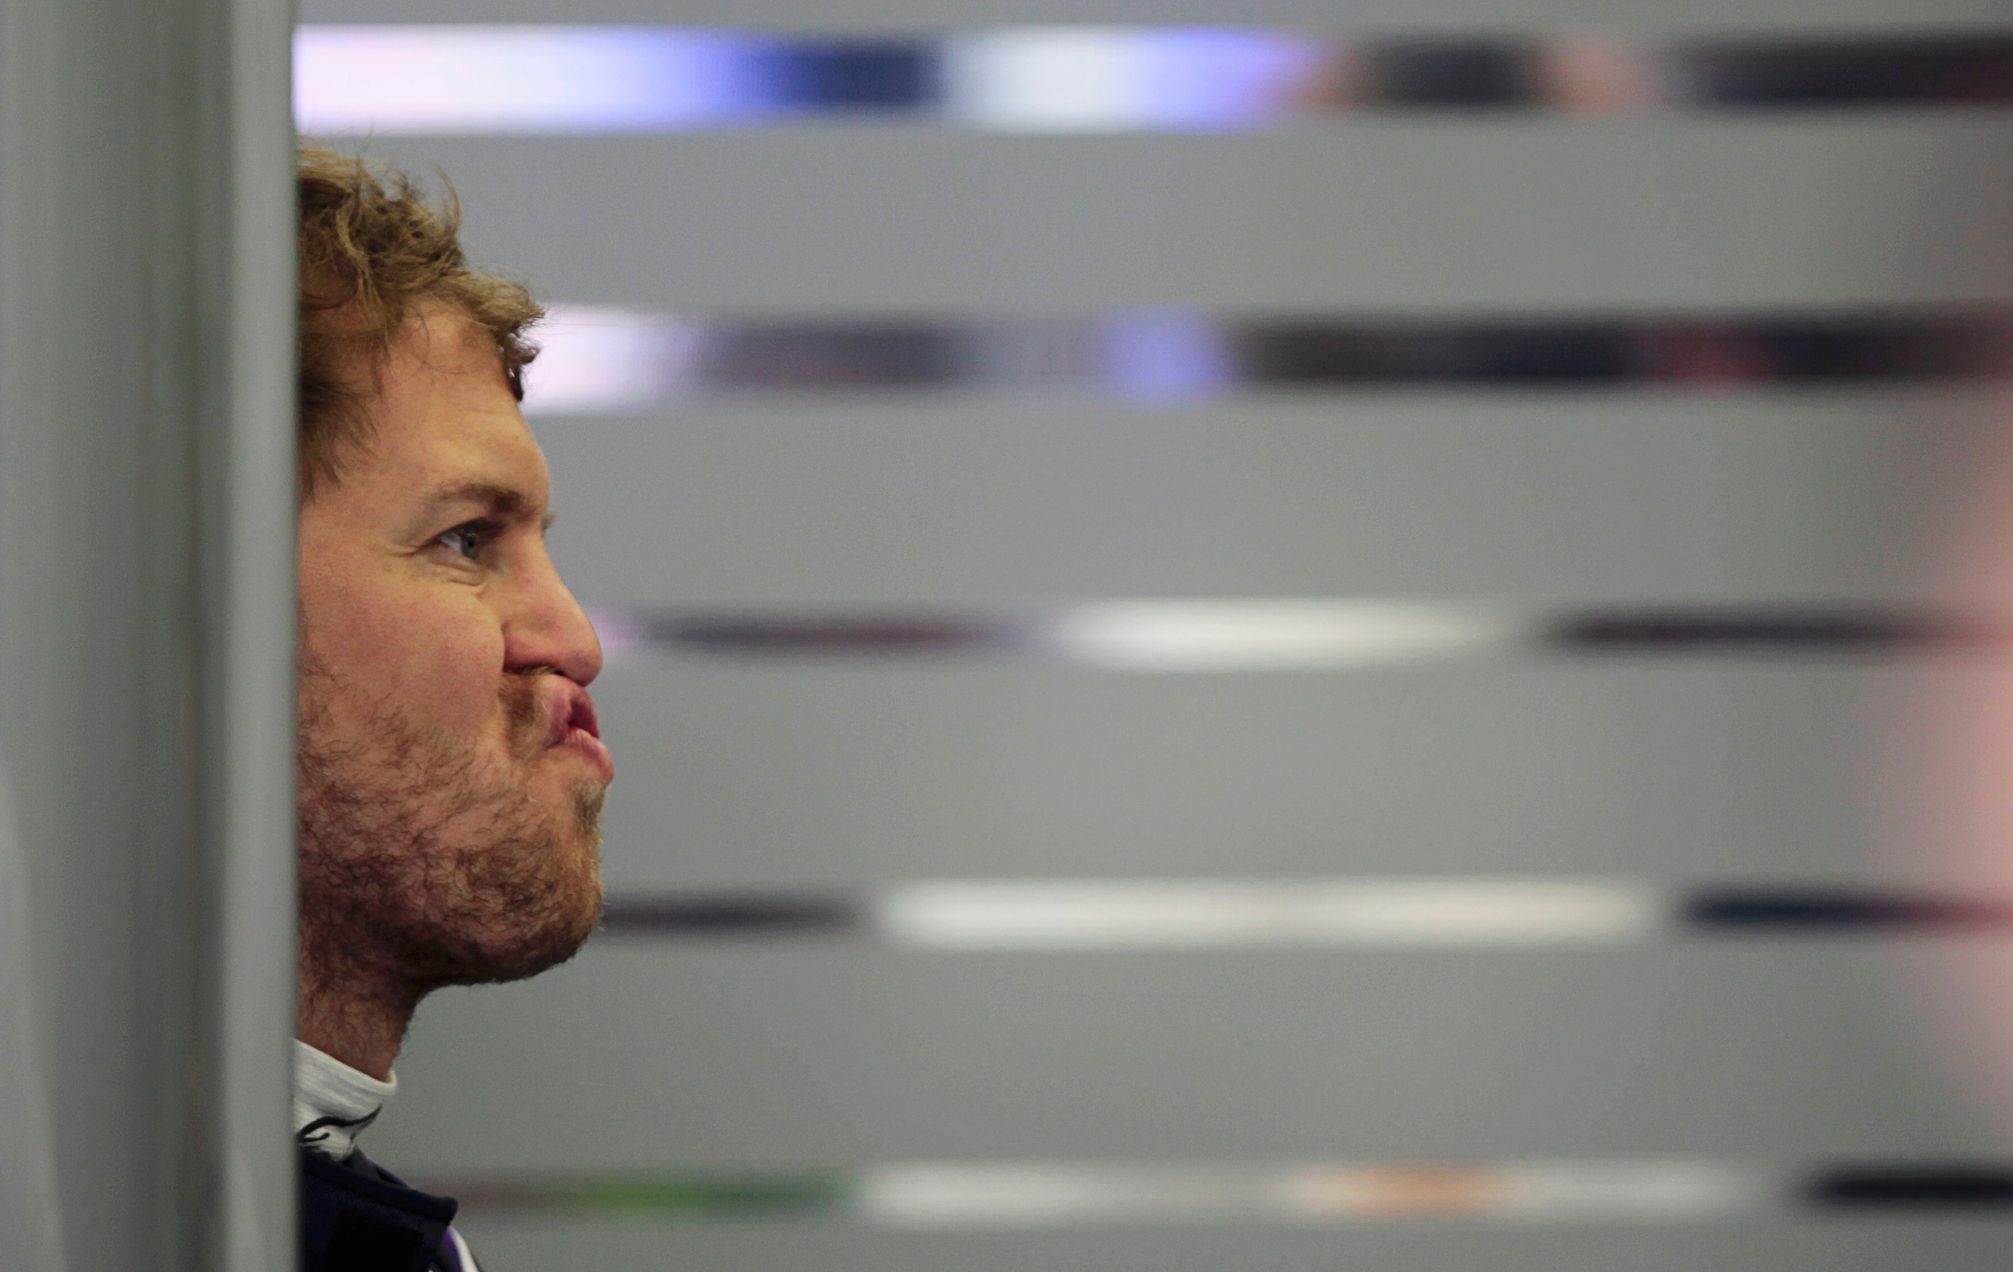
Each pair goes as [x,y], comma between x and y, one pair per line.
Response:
[425,861]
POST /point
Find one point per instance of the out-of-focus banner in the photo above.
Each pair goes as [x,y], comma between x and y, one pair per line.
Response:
[599,359]
[616,79]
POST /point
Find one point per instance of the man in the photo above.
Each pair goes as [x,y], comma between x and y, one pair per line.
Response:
[450,767]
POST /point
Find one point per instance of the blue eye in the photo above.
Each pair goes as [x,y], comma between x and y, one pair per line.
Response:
[465,541]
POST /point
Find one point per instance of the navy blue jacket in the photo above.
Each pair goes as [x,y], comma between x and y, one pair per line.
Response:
[357,1216]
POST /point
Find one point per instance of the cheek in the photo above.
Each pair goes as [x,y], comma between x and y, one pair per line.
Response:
[437,658]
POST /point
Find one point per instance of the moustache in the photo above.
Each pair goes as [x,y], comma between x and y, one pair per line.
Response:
[524,708]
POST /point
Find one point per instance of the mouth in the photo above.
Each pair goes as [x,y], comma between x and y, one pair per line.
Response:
[583,716]
[576,729]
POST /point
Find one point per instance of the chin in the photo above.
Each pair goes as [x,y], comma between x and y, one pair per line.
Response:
[515,950]
[524,925]
[572,917]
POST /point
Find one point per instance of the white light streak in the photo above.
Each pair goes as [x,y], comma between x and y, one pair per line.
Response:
[1057,79]
[386,80]
[1203,914]
[1282,635]
[595,359]
[1036,1194]
[557,79]
[621,635]
[1083,78]
[1039,1195]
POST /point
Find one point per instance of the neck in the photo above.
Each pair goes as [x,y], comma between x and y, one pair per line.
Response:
[346,1011]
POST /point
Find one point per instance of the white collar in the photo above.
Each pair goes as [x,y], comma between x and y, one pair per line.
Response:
[333,1102]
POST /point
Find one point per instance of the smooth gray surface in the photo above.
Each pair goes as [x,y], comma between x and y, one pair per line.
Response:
[771,773]
[1880,1245]
[97,525]
[845,502]
[31,1223]
[829,1056]
[145,266]
[1877,1246]
[243,604]
[1491,214]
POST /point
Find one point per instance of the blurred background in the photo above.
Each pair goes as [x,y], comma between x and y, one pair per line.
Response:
[1240,637]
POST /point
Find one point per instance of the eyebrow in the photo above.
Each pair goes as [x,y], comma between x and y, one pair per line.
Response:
[504,503]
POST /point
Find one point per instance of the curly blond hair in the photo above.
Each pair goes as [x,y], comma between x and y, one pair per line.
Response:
[372,249]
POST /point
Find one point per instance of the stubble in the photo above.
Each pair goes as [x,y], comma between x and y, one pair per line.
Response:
[424,863]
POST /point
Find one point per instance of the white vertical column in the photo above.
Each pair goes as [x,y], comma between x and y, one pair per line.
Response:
[146,607]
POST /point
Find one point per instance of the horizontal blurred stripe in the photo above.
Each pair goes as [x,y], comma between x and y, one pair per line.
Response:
[733,915]
[606,361]
[384,80]
[1206,914]
[1763,910]
[1294,635]
[1155,914]
[667,1194]
[993,1195]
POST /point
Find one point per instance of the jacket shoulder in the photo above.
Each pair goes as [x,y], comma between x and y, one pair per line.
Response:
[357,1216]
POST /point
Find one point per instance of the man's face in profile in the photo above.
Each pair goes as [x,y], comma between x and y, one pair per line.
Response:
[450,766]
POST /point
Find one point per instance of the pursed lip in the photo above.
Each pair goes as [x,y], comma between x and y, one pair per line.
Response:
[574,728]
[569,707]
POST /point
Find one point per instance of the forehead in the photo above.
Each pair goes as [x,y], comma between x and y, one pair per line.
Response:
[443,415]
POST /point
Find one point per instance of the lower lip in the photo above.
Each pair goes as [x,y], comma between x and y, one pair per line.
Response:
[589,748]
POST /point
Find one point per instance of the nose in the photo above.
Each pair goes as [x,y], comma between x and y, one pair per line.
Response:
[545,626]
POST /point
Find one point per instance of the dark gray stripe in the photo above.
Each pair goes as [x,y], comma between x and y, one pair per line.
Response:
[1825,910]
[1931,1186]
[891,633]
[731,915]
[1809,630]
[1841,73]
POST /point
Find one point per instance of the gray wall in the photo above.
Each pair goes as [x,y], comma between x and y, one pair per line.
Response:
[145,635]
[657,1060]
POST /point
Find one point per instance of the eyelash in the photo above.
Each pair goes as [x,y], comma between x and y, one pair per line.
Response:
[482,532]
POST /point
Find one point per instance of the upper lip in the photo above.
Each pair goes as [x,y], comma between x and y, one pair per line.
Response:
[571,708]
